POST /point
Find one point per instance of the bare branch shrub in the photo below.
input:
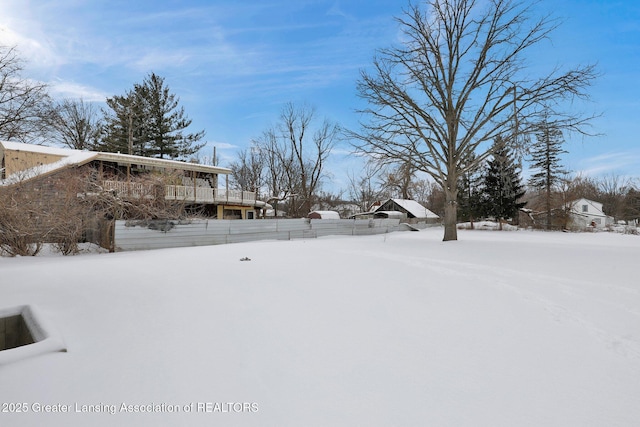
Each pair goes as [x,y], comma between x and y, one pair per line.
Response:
[59,209]
[19,231]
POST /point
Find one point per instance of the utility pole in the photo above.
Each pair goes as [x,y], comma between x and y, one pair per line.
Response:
[515,116]
[130,147]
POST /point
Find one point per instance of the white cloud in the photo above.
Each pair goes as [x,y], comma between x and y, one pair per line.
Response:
[37,53]
[65,89]
[616,162]
[222,145]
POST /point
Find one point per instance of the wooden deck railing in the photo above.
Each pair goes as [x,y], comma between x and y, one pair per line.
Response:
[184,193]
[129,189]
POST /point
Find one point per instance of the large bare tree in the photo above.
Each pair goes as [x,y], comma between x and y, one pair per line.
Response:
[25,105]
[76,124]
[277,167]
[458,80]
[309,149]
[295,153]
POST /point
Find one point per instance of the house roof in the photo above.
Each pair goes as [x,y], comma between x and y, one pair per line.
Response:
[584,200]
[596,212]
[79,157]
[413,207]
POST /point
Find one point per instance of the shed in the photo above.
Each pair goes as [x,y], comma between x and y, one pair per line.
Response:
[411,208]
[324,215]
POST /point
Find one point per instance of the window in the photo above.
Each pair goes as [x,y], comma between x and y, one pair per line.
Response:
[232,214]
[585,208]
[23,333]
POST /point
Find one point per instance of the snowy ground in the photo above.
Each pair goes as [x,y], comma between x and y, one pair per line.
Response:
[512,328]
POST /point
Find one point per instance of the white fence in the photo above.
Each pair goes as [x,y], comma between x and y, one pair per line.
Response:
[138,235]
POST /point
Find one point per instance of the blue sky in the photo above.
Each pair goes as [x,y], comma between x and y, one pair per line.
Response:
[233,64]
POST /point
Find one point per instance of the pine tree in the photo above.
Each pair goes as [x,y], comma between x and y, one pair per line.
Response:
[545,158]
[123,127]
[470,193]
[502,184]
[148,121]
[166,121]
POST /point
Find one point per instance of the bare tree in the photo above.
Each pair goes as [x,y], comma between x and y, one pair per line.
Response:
[35,212]
[579,186]
[430,195]
[632,205]
[400,180]
[25,106]
[295,152]
[456,82]
[248,171]
[308,152]
[19,232]
[363,189]
[613,189]
[276,163]
[59,209]
[76,124]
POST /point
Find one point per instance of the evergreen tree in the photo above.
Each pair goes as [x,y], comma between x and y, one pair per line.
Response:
[123,127]
[545,158]
[502,184]
[148,121]
[165,135]
[470,193]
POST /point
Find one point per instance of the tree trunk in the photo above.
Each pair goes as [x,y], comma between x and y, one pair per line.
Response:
[450,214]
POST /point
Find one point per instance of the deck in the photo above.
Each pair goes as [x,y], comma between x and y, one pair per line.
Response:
[205,195]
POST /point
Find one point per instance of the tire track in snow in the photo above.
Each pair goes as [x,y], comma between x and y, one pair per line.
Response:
[624,345]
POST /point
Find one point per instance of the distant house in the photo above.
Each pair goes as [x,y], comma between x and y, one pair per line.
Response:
[584,213]
[192,184]
[413,211]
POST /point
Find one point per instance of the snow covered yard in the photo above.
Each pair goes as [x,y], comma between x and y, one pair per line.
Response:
[498,329]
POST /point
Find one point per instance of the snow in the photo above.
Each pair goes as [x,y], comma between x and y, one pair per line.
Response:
[42,149]
[517,328]
[70,157]
[486,225]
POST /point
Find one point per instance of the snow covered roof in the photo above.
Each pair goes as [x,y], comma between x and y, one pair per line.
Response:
[72,157]
[33,148]
[77,157]
[324,215]
[413,207]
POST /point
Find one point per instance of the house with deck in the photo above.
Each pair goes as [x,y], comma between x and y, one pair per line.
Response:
[122,175]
